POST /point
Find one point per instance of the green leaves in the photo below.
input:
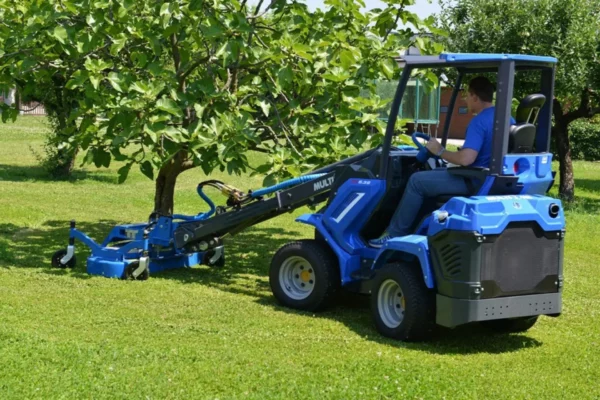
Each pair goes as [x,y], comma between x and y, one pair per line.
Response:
[95,80]
[97,65]
[168,105]
[147,169]
[116,81]
[117,46]
[285,76]
[60,33]
[123,172]
[347,59]
[101,158]
[265,107]
[201,82]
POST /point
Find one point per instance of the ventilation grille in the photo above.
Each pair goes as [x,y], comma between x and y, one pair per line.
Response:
[451,259]
[521,259]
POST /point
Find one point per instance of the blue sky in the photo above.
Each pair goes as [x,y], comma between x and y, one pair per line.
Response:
[423,8]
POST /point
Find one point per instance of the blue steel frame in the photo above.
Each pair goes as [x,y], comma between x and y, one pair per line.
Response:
[111,261]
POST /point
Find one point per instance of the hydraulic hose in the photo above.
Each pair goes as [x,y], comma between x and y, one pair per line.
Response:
[201,216]
[255,194]
[282,185]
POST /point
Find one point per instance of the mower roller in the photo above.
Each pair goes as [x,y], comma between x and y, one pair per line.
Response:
[494,256]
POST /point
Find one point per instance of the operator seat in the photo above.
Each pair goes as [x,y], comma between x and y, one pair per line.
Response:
[521,138]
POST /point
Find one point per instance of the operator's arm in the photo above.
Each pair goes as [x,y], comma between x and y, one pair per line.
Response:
[471,148]
[464,157]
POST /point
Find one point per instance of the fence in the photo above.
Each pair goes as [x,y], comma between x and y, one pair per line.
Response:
[33,108]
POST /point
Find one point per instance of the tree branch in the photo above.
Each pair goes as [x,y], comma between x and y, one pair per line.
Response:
[583,111]
[261,26]
[288,134]
[400,11]
[271,131]
[274,83]
[229,80]
[259,149]
[557,109]
[184,74]
[175,50]
[263,13]
[188,164]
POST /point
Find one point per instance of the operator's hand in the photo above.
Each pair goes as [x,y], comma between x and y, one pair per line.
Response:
[434,146]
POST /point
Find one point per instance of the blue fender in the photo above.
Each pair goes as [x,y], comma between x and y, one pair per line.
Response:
[348,263]
[412,245]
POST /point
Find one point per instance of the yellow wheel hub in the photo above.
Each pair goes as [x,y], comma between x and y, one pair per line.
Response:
[305,275]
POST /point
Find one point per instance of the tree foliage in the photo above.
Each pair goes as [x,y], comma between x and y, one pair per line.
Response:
[565,29]
[172,85]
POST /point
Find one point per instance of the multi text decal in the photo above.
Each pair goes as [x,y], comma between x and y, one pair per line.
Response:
[509,197]
[325,183]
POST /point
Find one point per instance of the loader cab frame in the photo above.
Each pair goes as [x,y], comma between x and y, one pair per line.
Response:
[505,67]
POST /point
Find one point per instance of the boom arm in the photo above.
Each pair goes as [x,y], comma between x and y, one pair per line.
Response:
[207,233]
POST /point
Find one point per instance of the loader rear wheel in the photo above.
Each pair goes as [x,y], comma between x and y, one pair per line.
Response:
[304,275]
[402,306]
[510,325]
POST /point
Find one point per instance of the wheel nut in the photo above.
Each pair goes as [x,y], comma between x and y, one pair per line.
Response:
[311,282]
[302,267]
[310,270]
[302,284]
[297,276]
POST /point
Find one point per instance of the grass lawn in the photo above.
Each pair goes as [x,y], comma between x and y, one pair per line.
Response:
[218,333]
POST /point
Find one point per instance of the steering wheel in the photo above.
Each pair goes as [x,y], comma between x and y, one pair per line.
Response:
[424,154]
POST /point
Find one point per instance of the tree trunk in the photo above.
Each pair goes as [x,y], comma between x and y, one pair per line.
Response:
[566,188]
[165,184]
[63,163]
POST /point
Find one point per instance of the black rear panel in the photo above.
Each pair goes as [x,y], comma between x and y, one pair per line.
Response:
[522,260]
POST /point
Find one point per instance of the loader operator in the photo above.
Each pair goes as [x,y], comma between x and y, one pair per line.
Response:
[475,152]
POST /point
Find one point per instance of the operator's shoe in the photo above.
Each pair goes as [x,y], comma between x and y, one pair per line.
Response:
[380,241]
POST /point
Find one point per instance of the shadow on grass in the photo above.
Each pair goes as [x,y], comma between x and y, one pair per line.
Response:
[27,173]
[354,311]
[33,247]
[584,203]
[247,260]
[248,257]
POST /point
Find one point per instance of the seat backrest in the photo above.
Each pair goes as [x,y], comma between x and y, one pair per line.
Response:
[521,137]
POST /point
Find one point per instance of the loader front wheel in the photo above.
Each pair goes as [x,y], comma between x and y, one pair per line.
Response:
[305,275]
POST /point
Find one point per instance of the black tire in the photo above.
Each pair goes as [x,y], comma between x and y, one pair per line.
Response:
[417,321]
[320,263]
[220,263]
[128,274]
[510,325]
[319,236]
[56,257]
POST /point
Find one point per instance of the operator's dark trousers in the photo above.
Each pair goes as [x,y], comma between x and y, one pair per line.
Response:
[422,185]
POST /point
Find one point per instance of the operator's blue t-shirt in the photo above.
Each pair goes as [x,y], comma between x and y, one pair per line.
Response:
[479,136]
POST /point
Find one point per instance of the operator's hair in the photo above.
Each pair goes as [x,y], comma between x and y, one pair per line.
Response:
[482,88]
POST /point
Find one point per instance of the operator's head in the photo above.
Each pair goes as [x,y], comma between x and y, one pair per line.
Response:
[480,94]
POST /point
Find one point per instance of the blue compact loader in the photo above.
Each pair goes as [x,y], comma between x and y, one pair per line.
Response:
[493,257]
